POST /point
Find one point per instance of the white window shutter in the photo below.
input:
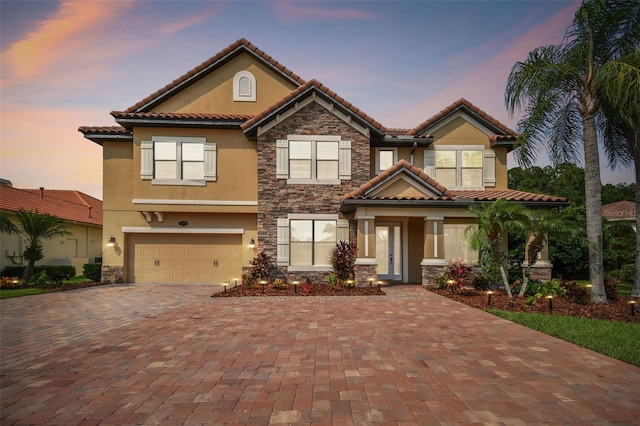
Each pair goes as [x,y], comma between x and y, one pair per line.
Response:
[489,168]
[344,160]
[146,160]
[343,230]
[283,242]
[210,162]
[430,163]
[282,159]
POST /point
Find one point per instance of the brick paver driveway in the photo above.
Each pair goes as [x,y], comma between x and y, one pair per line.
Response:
[142,354]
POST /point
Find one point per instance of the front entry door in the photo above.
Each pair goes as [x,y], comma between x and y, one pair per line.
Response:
[388,251]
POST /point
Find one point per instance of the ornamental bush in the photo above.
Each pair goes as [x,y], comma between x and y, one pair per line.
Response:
[343,260]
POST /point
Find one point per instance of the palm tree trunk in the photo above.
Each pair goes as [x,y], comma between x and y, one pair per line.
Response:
[635,292]
[505,281]
[28,272]
[525,279]
[593,188]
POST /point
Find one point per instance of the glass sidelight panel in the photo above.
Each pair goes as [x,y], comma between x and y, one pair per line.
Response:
[389,251]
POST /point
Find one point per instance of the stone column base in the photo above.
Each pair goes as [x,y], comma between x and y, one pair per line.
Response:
[430,274]
[540,271]
[363,273]
[111,274]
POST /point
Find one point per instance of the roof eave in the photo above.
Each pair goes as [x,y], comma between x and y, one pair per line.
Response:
[130,123]
[100,138]
[351,204]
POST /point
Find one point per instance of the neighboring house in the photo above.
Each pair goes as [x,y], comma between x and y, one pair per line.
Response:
[240,150]
[81,212]
[621,210]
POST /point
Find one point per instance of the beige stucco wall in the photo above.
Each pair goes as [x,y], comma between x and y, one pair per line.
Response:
[214,94]
[81,247]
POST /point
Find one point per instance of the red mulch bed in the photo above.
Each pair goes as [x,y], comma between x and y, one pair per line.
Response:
[615,310]
[298,290]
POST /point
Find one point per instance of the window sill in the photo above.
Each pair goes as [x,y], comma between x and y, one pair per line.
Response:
[313,182]
[293,268]
[176,182]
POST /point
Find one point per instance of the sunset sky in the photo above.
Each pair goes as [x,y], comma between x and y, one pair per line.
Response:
[67,64]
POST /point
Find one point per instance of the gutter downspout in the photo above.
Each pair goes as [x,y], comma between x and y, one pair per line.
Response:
[413,149]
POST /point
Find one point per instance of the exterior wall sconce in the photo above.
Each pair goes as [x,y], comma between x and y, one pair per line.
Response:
[111,242]
[252,244]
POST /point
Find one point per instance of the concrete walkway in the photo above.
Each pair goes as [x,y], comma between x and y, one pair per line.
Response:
[142,354]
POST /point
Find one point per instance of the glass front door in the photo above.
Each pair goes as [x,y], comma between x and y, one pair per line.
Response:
[388,251]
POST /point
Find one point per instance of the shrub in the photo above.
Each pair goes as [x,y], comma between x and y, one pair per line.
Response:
[10,282]
[40,279]
[92,271]
[481,282]
[628,272]
[55,273]
[343,260]
[459,272]
[442,281]
[261,267]
[332,279]
[611,288]
[307,287]
[575,292]
[552,288]
[278,283]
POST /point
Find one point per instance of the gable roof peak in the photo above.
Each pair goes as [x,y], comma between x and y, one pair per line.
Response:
[206,67]
[473,110]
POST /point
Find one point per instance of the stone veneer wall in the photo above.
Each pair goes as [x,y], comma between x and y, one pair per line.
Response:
[276,199]
[111,274]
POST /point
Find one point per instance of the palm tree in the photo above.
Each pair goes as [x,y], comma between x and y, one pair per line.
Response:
[34,227]
[492,223]
[561,87]
[539,224]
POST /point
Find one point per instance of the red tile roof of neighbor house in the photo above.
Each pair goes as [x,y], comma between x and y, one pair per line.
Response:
[72,206]
[621,210]
[241,45]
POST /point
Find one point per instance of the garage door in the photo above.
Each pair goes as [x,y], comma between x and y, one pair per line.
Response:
[174,258]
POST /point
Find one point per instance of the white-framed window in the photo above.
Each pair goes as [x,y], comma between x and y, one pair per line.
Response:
[456,244]
[244,87]
[172,160]
[315,159]
[385,158]
[306,241]
[463,167]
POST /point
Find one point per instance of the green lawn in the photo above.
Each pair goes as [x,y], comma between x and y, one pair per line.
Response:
[19,292]
[618,340]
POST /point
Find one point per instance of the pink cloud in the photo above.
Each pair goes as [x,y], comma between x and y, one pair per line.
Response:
[201,16]
[73,28]
[298,11]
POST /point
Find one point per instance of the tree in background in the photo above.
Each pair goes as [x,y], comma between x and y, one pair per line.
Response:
[34,227]
[560,90]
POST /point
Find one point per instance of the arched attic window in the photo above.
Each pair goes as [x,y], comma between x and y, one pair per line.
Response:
[244,87]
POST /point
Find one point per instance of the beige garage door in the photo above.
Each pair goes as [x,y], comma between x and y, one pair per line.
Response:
[173,258]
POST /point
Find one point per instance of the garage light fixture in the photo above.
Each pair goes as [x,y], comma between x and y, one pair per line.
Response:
[252,244]
[111,242]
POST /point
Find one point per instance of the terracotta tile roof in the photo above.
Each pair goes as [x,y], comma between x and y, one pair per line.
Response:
[507,194]
[398,132]
[621,210]
[103,129]
[181,116]
[402,164]
[241,45]
[302,91]
[459,104]
[66,204]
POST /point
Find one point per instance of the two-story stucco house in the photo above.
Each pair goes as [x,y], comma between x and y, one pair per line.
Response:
[241,155]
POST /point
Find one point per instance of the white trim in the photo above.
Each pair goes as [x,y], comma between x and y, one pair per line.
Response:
[237,96]
[377,155]
[429,217]
[455,115]
[366,261]
[298,216]
[313,181]
[299,105]
[366,238]
[145,230]
[310,268]
[317,138]
[434,262]
[194,202]
[435,238]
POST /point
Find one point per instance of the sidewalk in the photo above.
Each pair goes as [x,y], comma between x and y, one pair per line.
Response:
[143,354]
